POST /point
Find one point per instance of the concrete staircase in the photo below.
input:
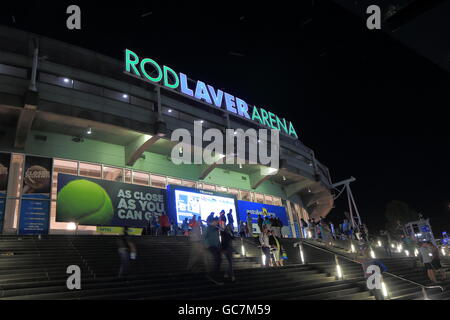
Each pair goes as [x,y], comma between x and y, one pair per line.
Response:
[37,270]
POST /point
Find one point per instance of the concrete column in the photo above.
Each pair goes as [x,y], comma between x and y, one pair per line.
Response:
[12,209]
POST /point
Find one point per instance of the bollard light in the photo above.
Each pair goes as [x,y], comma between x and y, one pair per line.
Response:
[263,257]
[399,248]
[309,234]
[407,253]
[384,289]
[338,271]
[379,243]
[243,250]
[352,248]
[416,252]
[393,245]
[372,254]
[443,251]
[301,256]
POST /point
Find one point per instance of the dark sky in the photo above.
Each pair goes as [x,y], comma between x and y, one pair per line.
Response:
[368,105]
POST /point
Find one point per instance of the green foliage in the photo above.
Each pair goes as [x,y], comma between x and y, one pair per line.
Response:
[398,213]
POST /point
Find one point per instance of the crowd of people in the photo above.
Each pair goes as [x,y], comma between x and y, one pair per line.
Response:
[213,238]
[210,241]
[321,229]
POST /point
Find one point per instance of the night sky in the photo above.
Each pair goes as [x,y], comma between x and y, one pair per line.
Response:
[368,105]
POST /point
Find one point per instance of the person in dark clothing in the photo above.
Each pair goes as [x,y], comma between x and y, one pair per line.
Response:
[164,222]
[280,227]
[274,224]
[230,218]
[227,250]
[243,231]
[127,251]
[222,219]
[210,218]
[260,222]
[212,244]
[304,228]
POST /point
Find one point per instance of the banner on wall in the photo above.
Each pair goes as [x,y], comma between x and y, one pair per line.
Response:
[89,201]
[186,202]
[5,161]
[257,209]
[35,203]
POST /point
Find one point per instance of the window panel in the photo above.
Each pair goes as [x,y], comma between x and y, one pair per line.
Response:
[158,181]
[90,170]
[140,178]
[113,174]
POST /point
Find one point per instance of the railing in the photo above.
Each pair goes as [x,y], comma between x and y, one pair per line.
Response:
[336,255]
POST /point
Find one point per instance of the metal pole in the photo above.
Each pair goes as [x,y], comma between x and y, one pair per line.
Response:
[32,86]
[354,204]
[350,206]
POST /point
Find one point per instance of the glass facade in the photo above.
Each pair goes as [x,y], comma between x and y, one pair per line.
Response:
[99,171]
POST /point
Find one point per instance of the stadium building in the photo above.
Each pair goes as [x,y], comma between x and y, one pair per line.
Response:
[68,110]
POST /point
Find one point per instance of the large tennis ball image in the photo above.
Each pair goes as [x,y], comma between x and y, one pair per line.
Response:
[84,202]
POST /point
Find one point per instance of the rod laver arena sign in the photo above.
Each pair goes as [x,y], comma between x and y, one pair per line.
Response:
[150,70]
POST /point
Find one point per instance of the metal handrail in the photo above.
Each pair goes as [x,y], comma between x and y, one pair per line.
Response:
[388,273]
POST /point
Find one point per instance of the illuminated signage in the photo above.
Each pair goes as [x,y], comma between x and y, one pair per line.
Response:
[150,70]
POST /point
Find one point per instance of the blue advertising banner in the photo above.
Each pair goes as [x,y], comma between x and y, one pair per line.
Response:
[89,201]
[185,202]
[34,216]
[297,230]
[257,209]
[35,203]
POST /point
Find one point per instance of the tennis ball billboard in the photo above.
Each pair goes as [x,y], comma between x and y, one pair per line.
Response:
[89,201]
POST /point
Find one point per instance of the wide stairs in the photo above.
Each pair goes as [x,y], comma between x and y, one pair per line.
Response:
[37,270]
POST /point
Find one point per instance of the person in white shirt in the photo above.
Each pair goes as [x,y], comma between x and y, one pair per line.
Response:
[426,255]
[265,246]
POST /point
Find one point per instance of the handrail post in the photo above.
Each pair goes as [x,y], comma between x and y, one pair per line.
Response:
[300,248]
[243,252]
[339,273]
[425,295]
